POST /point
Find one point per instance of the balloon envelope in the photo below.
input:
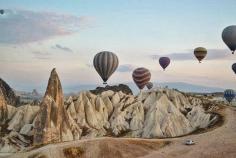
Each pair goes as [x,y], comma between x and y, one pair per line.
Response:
[234,67]
[105,64]
[229,37]
[200,53]
[1,11]
[229,95]
[149,85]
[164,62]
[141,77]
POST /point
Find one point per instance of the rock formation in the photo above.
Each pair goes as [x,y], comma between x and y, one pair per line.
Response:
[52,123]
[156,113]
[3,108]
[9,94]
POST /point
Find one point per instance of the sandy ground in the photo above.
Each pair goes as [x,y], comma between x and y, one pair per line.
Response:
[217,143]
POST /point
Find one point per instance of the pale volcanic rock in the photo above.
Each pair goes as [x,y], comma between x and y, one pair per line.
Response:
[11,110]
[71,108]
[25,115]
[199,119]
[27,130]
[115,99]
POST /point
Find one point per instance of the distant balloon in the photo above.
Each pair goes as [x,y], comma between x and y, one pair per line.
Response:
[164,62]
[141,77]
[229,95]
[149,85]
[1,11]
[105,64]
[229,37]
[234,67]
[200,53]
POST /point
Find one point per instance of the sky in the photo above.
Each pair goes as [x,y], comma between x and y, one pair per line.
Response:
[36,36]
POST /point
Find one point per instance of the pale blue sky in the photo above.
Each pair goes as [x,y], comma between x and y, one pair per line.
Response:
[133,29]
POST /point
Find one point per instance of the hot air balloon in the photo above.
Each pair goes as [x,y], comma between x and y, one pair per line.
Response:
[149,85]
[1,11]
[164,62]
[105,64]
[200,53]
[229,95]
[229,37]
[234,67]
[141,77]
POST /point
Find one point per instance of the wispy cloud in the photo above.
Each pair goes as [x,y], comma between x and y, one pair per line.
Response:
[60,47]
[23,26]
[212,54]
[126,68]
[41,55]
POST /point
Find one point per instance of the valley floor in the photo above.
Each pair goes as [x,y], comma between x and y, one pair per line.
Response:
[217,143]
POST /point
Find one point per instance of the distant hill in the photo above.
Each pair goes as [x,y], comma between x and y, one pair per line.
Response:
[185,87]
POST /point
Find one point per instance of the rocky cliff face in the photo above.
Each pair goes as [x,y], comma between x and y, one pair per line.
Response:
[3,108]
[156,113]
[9,94]
[52,123]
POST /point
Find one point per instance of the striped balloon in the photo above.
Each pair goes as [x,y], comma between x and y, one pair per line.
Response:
[200,53]
[229,95]
[141,77]
[149,85]
[105,64]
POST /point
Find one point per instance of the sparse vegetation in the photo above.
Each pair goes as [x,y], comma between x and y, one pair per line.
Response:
[73,152]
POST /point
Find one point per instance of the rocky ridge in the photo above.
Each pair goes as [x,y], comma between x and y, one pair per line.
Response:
[156,113]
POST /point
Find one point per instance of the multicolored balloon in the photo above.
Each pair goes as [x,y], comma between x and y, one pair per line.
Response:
[234,67]
[141,77]
[105,64]
[149,85]
[229,37]
[164,62]
[229,95]
[200,53]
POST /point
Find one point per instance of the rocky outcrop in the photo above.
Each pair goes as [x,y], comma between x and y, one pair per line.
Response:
[3,109]
[24,115]
[9,94]
[121,87]
[156,113]
[152,114]
[52,123]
